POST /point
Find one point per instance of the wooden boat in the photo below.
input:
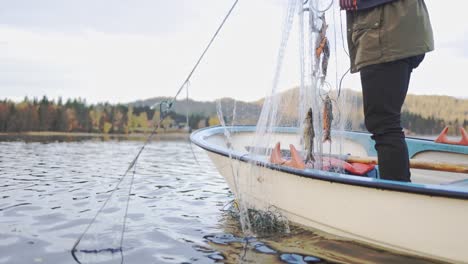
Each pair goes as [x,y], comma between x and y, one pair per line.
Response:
[427,217]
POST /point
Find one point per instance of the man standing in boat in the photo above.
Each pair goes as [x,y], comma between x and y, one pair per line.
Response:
[387,39]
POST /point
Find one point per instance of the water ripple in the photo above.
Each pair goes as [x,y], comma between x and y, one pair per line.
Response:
[51,192]
[13,206]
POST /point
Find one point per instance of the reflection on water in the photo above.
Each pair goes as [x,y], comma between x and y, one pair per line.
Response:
[50,192]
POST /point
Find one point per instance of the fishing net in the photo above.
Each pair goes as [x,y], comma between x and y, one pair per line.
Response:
[319,90]
[103,239]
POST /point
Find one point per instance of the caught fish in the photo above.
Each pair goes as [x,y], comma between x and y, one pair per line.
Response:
[322,42]
[309,136]
[325,57]
[323,46]
[327,118]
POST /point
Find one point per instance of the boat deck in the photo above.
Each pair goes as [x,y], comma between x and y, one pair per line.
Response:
[434,177]
[360,144]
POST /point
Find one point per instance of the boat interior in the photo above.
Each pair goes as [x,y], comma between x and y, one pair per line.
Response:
[361,145]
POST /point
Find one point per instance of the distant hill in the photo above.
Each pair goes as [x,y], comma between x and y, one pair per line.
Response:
[246,113]
[444,107]
[422,114]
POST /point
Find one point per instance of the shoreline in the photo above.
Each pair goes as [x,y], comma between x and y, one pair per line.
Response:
[172,135]
[132,136]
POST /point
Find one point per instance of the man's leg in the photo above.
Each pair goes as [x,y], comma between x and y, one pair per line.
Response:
[384,88]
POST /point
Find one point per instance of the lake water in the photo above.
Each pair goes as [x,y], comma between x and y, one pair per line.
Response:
[50,191]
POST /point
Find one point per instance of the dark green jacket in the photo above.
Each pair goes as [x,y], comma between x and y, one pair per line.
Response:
[388,32]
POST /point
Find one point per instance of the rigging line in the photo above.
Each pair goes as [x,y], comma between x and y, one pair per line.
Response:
[149,139]
[342,36]
[341,82]
[124,225]
[323,10]
[335,45]
[188,125]
[193,153]
[204,52]
[347,53]
[318,10]
[187,109]
[132,165]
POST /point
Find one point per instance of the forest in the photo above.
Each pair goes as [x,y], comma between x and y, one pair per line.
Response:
[422,115]
[77,116]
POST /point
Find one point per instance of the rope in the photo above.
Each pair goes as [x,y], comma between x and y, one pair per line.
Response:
[124,225]
[188,125]
[204,52]
[347,53]
[342,36]
[318,10]
[341,82]
[187,110]
[148,140]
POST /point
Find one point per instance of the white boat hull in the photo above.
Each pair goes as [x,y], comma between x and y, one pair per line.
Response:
[418,223]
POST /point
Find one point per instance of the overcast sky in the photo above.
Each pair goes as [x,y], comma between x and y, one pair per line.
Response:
[121,50]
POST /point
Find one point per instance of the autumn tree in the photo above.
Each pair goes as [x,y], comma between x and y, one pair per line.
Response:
[5,113]
[213,121]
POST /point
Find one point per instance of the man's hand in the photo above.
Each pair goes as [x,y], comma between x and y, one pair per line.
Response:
[348,4]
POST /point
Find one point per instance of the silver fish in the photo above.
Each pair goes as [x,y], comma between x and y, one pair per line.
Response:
[309,136]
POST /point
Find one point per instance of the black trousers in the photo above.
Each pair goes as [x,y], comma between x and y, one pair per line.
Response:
[384,88]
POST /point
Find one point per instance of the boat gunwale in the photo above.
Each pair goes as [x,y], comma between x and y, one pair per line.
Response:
[198,138]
